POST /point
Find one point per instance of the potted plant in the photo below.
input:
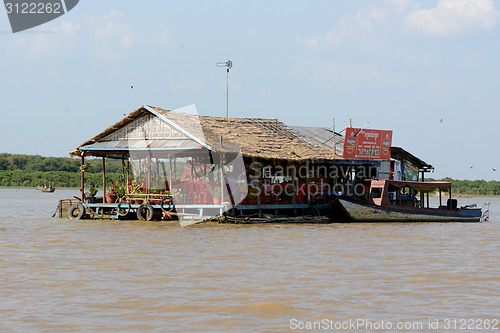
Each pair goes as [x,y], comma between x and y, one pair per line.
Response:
[156,199]
[116,190]
[90,194]
[217,193]
[176,196]
[136,193]
[166,197]
[111,194]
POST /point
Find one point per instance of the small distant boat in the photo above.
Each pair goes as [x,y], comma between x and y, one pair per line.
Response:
[386,201]
[46,188]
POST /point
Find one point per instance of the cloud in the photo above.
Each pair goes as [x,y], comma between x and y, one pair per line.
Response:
[48,43]
[109,36]
[402,5]
[451,17]
[252,33]
[114,37]
[361,23]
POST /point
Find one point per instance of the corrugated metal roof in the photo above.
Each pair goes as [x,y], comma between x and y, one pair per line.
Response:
[320,136]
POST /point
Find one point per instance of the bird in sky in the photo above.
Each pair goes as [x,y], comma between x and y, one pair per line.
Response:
[441,120]
[131,87]
[471,167]
[494,169]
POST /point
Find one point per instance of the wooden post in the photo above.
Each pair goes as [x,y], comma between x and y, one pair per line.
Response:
[440,199]
[82,189]
[334,140]
[450,198]
[148,174]
[428,200]
[103,179]
[128,174]
[259,184]
[192,169]
[140,171]
[158,173]
[170,175]
[222,182]
[175,169]
[123,167]
[307,184]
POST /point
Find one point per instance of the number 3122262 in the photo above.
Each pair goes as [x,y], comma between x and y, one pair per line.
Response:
[33,8]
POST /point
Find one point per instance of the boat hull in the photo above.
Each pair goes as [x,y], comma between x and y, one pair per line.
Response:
[366,212]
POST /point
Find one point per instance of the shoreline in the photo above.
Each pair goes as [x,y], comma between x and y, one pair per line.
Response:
[436,195]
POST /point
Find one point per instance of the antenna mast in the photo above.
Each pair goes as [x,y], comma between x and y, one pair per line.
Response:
[229,65]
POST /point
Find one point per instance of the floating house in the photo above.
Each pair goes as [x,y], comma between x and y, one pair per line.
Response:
[179,165]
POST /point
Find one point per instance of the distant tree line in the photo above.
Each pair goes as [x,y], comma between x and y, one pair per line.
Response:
[473,187]
[17,170]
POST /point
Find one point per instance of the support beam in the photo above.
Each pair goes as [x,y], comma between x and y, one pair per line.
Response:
[170,188]
[450,198]
[82,189]
[128,175]
[103,179]
[308,192]
[334,140]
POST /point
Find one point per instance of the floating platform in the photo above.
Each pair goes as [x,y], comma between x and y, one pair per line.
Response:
[245,214]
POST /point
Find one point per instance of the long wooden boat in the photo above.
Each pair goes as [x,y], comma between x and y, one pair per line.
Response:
[404,201]
[47,188]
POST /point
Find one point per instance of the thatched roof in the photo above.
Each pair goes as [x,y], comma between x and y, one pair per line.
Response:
[255,137]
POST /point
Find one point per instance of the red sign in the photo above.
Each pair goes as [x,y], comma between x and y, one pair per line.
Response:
[367,144]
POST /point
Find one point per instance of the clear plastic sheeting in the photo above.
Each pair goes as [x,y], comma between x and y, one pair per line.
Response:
[201,182]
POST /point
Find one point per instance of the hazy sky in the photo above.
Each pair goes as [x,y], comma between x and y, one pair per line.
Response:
[398,64]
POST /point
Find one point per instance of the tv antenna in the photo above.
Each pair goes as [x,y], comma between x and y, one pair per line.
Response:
[229,65]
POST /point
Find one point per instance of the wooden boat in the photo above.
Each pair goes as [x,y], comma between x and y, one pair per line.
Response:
[397,201]
[47,188]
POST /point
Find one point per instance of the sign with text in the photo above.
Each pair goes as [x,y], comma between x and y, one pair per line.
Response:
[367,144]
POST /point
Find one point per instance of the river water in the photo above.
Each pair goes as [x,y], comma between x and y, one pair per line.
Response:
[59,275]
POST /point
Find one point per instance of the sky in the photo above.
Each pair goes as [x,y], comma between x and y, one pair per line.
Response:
[427,70]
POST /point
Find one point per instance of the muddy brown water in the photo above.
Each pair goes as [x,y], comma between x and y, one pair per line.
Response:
[59,275]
